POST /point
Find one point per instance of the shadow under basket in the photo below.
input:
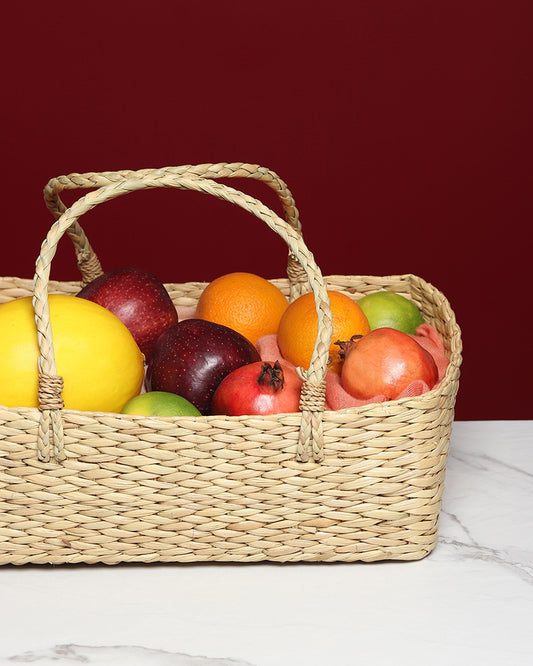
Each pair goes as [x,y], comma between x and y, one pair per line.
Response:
[196,489]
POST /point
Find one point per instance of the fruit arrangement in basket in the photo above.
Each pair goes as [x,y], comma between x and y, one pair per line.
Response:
[126,348]
[121,345]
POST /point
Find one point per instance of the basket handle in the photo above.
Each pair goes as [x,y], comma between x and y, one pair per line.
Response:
[88,262]
[312,400]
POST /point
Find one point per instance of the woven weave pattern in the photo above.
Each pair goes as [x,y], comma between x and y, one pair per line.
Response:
[118,488]
[229,488]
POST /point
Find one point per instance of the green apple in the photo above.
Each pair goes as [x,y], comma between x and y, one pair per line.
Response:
[160,403]
[386,309]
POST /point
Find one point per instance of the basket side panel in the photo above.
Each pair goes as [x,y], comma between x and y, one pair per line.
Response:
[223,491]
[229,489]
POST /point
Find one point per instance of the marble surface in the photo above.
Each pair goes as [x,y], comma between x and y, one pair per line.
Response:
[469,602]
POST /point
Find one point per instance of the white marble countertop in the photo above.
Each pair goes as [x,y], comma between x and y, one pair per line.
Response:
[469,602]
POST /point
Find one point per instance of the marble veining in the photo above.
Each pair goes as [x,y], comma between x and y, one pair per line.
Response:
[470,601]
[485,462]
[128,654]
[477,476]
[476,552]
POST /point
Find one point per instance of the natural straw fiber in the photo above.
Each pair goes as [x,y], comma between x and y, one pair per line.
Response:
[355,484]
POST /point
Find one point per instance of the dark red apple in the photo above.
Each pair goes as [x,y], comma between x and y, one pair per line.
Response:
[138,299]
[259,388]
[192,357]
[384,362]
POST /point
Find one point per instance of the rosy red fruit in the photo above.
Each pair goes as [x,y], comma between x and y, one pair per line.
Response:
[258,388]
[139,299]
[384,362]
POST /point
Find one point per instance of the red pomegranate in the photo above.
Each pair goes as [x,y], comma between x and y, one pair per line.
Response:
[384,362]
[261,387]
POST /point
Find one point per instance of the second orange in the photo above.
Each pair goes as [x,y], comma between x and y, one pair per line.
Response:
[298,328]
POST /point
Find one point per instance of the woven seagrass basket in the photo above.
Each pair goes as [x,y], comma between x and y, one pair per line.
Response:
[355,484]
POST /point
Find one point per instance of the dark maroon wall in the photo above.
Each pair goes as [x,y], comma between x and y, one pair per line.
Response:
[402,128]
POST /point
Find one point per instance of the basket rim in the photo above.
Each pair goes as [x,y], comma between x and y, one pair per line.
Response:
[455,357]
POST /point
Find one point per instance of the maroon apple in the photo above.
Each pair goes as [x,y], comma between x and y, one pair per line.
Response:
[139,299]
[384,362]
[192,357]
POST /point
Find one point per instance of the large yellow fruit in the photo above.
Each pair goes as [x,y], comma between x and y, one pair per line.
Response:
[100,362]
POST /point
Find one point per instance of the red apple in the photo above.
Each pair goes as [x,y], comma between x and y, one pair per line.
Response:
[192,357]
[384,362]
[138,299]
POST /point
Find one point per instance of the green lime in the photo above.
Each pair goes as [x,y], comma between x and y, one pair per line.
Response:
[160,403]
[388,309]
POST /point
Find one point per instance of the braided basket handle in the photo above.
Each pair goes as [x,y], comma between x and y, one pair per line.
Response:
[88,262]
[312,400]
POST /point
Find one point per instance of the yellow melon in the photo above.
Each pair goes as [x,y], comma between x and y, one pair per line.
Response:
[100,362]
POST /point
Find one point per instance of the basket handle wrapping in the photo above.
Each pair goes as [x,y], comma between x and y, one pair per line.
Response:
[50,431]
[88,262]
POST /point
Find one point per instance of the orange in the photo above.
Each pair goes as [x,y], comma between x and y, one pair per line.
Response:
[245,302]
[298,328]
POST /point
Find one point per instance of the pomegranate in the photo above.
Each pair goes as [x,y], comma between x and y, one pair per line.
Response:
[258,388]
[384,362]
